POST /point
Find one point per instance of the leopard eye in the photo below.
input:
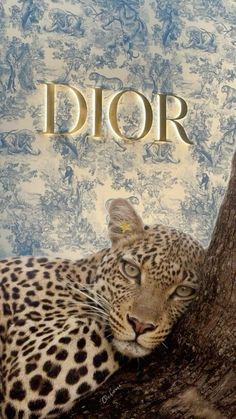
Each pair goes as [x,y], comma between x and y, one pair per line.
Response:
[130,270]
[184,292]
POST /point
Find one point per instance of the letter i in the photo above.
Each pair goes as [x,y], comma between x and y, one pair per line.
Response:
[97,132]
[50,108]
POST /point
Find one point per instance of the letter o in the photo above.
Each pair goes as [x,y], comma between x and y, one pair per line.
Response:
[113,115]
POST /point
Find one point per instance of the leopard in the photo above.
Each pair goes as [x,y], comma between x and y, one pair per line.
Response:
[66,325]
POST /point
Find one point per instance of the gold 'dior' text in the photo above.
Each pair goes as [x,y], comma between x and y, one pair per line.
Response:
[162,119]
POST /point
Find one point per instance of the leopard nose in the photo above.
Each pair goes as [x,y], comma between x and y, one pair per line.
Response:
[138,326]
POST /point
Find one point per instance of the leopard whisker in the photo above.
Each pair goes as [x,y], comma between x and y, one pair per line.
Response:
[86,295]
[96,315]
[95,309]
[100,296]
[165,346]
[105,305]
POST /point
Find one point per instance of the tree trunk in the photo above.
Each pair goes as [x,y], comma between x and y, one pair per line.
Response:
[191,377]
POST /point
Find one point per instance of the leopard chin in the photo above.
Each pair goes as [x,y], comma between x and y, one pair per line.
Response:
[130,348]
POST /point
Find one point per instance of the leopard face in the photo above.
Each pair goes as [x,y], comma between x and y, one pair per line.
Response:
[150,276]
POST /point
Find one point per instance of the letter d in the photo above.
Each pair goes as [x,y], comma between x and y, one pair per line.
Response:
[50,108]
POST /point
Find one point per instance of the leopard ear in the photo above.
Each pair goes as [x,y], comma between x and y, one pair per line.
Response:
[124,221]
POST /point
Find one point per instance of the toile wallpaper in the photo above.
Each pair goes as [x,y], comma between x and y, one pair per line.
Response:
[54,188]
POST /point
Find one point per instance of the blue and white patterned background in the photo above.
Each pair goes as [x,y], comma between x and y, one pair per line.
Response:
[53,189]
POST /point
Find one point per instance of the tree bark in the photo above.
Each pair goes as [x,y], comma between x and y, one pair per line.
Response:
[192,376]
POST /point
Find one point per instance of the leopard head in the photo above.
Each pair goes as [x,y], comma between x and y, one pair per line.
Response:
[150,275]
